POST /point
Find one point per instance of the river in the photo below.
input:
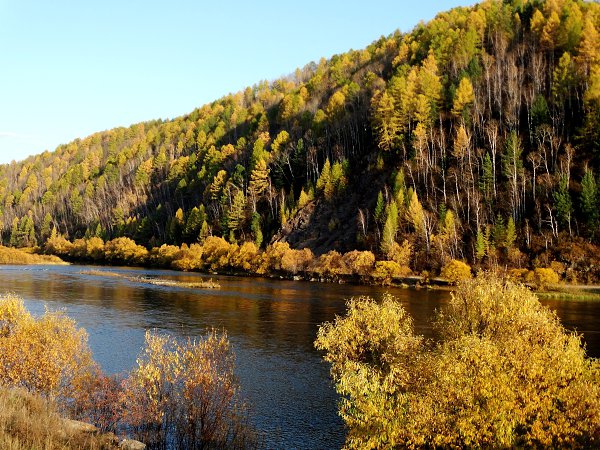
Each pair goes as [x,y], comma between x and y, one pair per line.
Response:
[271,324]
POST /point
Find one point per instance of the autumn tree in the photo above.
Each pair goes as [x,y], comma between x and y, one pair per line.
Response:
[502,372]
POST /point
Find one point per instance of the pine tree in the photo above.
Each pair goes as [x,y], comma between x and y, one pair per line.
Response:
[256,229]
[379,207]
[480,245]
[589,201]
[390,228]
[486,182]
[15,237]
[563,203]
[511,234]
[46,225]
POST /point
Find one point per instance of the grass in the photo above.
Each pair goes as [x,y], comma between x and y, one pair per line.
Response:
[209,284]
[30,422]
[19,256]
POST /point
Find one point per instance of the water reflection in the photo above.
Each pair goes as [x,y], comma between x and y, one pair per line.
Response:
[272,326]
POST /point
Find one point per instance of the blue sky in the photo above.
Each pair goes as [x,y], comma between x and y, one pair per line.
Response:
[71,68]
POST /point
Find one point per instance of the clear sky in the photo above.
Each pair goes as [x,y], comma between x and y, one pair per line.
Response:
[71,68]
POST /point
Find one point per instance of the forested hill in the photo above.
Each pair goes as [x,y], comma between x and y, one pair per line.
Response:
[476,136]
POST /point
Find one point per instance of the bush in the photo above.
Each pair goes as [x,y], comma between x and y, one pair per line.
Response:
[187,394]
[294,261]
[126,251]
[45,355]
[245,257]
[215,253]
[330,265]
[272,257]
[543,277]
[165,255]
[502,373]
[455,271]
[518,275]
[386,271]
[360,263]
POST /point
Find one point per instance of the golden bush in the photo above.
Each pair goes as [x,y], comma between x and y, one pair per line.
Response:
[94,248]
[272,257]
[245,257]
[184,258]
[519,275]
[386,271]
[400,254]
[43,355]
[455,271]
[503,373]
[58,245]
[360,263]
[295,261]
[187,393]
[330,265]
[165,255]
[125,250]
[215,253]
[544,276]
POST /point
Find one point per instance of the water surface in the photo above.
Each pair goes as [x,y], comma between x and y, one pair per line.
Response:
[272,325]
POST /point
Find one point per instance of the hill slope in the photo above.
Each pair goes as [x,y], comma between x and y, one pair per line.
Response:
[475,136]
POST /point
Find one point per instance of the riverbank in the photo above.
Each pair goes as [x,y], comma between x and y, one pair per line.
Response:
[9,255]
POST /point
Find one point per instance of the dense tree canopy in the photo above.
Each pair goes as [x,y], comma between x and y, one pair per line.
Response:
[490,113]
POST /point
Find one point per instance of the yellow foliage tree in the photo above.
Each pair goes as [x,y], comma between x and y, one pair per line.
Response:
[45,355]
[503,374]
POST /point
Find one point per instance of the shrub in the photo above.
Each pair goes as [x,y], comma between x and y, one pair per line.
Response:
[272,257]
[244,257]
[503,373]
[43,355]
[215,253]
[360,263]
[330,265]
[187,394]
[543,277]
[455,271]
[126,251]
[184,258]
[400,254]
[386,271]
[165,255]
[57,245]
[294,261]
[519,275]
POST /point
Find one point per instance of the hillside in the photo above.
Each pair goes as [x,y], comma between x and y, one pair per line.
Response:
[475,136]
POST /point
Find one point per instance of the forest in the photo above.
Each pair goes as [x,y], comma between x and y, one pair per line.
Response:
[474,137]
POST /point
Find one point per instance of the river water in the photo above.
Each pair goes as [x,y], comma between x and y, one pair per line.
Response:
[271,324]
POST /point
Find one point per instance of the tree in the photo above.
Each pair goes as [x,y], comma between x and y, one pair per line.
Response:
[385,120]
[563,203]
[256,229]
[589,201]
[480,245]
[503,372]
[237,213]
[388,237]
[46,227]
[512,165]
[511,234]
[463,98]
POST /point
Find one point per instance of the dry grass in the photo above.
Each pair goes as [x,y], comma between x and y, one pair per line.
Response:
[25,256]
[29,422]
[209,284]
